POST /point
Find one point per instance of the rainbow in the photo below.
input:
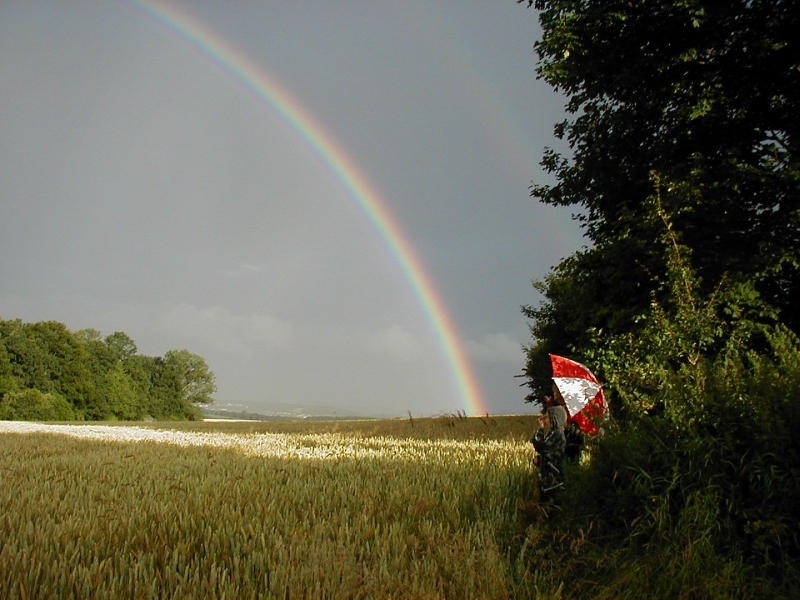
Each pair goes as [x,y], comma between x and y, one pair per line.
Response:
[212,46]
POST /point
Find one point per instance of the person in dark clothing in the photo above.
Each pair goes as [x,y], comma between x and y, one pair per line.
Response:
[574,437]
[549,442]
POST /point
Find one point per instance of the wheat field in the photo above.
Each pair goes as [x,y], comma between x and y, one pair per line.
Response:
[415,508]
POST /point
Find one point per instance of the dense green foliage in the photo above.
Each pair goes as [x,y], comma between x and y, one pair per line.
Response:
[696,484]
[706,95]
[683,132]
[48,373]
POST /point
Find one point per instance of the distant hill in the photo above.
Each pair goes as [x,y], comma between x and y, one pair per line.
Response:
[283,412]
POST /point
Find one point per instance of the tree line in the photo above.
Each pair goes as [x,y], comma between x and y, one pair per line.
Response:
[48,372]
[683,124]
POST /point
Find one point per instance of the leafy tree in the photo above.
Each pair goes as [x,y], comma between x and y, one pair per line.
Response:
[68,366]
[172,384]
[140,369]
[114,387]
[197,382]
[88,335]
[122,345]
[7,380]
[30,364]
[120,393]
[165,400]
[707,95]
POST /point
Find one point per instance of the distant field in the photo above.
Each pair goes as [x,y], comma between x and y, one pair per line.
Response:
[347,509]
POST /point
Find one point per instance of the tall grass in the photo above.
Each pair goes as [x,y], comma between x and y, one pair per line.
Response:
[244,513]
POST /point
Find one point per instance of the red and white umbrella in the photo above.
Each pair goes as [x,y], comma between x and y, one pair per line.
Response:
[581,390]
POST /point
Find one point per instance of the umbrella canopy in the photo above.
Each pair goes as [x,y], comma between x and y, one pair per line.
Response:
[581,390]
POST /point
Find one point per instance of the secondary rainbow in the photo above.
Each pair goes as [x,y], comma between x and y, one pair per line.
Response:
[336,159]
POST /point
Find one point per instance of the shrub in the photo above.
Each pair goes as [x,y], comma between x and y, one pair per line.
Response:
[33,405]
[696,484]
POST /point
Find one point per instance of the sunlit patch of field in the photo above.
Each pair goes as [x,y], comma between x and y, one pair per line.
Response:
[330,510]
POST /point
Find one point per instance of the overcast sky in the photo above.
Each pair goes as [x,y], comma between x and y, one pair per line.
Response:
[145,189]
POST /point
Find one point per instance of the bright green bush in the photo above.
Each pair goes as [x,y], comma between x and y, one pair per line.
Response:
[33,405]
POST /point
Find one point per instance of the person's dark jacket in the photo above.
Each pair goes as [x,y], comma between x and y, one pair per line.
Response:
[550,444]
